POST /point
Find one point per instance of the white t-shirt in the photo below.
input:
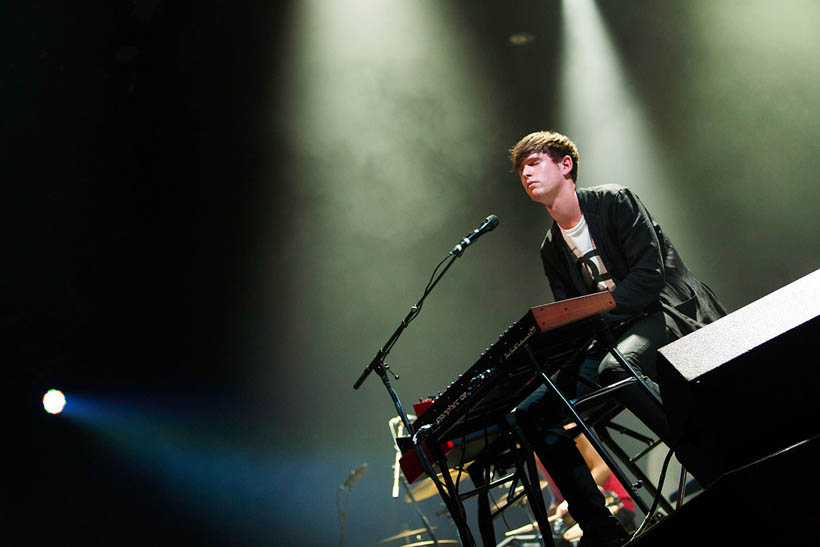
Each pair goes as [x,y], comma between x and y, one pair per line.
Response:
[587,258]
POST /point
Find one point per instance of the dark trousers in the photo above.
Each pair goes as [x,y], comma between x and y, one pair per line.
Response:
[541,416]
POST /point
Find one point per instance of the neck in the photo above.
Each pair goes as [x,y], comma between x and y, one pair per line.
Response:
[565,209]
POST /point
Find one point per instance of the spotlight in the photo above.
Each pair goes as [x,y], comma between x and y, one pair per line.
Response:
[521,38]
[54,401]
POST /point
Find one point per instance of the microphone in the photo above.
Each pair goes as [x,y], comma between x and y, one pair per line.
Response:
[354,476]
[489,224]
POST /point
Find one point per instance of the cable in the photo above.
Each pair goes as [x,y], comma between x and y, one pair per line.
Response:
[654,506]
[427,289]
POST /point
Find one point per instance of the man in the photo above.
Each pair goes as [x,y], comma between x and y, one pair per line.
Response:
[602,238]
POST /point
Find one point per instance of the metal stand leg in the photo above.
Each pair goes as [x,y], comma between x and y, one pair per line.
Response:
[485,518]
[593,439]
[641,476]
[449,494]
[681,486]
[616,353]
[424,521]
[531,487]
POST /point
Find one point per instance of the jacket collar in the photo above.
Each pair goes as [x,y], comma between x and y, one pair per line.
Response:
[591,210]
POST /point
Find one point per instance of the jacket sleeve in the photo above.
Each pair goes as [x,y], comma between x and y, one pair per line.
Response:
[637,242]
[559,286]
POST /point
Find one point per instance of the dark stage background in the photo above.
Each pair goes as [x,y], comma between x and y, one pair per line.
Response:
[217,212]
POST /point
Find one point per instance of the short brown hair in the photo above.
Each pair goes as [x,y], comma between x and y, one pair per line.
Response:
[555,145]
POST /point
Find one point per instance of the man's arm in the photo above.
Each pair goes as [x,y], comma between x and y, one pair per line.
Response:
[637,241]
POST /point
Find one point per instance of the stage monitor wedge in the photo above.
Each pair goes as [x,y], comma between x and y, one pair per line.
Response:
[748,384]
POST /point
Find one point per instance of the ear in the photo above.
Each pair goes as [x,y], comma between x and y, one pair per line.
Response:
[566,165]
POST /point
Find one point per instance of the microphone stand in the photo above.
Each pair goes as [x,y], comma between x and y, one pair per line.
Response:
[378,365]
[422,516]
[398,476]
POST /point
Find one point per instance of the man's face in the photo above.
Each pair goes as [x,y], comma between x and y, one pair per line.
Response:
[541,176]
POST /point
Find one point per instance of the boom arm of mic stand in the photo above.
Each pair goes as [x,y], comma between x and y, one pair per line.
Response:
[377,364]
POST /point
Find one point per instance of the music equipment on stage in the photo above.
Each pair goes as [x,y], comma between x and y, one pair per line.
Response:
[396,426]
[465,413]
[427,542]
[406,534]
[426,488]
[355,475]
[745,386]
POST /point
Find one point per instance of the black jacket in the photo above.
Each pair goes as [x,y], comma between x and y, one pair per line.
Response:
[647,270]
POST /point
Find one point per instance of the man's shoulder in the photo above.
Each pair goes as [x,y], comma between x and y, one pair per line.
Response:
[548,237]
[594,198]
[602,191]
